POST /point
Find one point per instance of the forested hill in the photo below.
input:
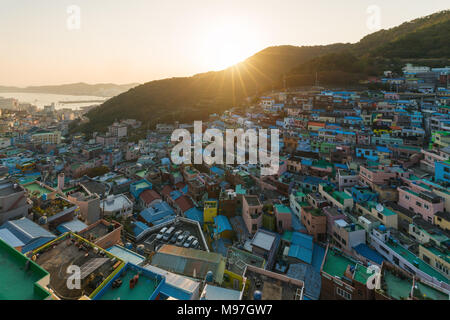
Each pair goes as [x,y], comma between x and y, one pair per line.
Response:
[194,98]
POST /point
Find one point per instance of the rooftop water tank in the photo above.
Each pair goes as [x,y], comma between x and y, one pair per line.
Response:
[209,276]
[42,220]
[382,227]
[257,295]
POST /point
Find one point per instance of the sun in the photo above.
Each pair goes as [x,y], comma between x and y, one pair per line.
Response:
[226,45]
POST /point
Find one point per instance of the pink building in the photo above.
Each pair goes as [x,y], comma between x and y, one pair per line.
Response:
[252,213]
[283,215]
[379,176]
[424,203]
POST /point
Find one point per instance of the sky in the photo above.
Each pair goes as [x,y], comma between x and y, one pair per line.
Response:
[47,42]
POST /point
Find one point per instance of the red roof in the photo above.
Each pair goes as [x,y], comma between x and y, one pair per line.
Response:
[148,196]
[185,203]
[166,191]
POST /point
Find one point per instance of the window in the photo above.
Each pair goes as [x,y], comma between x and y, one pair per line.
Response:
[426,206]
[344,294]
[419,204]
[384,249]
[396,261]
[406,197]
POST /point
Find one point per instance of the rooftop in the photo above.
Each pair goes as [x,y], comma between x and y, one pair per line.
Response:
[273,286]
[237,260]
[95,263]
[19,276]
[145,289]
[397,287]
[416,261]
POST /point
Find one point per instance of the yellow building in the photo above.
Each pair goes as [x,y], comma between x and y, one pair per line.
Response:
[381,131]
[237,260]
[210,211]
[442,219]
[52,137]
[437,258]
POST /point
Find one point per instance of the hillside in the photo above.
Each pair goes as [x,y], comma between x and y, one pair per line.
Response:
[426,38]
[194,98]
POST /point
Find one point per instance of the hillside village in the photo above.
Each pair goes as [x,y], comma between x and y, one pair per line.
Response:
[363,181]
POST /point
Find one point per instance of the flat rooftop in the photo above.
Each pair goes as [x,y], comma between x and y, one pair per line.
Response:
[152,244]
[95,264]
[35,189]
[416,261]
[252,201]
[143,290]
[424,291]
[7,188]
[395,286]
[237,260]
[18,276]
[99,230]
[273,286]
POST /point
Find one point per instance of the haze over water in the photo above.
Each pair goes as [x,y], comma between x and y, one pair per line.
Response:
[45,99]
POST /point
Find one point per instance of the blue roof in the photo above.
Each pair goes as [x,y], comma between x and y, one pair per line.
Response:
[363,250]
[301,247]
[309,276]
[383,149]
[302,239]
[222,224]
[296,223]
[301,253]
[72,226]
[28,232]
[217,171]
[318,254]
[10,238]
[194,214]
[139,227]
[157,212]
[175,194]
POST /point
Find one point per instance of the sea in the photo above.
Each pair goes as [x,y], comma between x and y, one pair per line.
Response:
[61,101]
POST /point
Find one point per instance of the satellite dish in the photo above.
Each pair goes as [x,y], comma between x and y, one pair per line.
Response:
[380,207]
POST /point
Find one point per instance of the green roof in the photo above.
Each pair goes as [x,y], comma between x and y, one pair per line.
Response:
[426,292]
[19,276]
[416,261]
[443,255]
[361,274]
[36,187]
[336,263]
[282,208]
[141,173]
[143,290]
[396,287]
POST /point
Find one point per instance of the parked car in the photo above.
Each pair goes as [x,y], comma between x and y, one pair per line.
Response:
[195,244]
[188,241]
[168,233]
[161,233]
[183,237]
[175,236]
[173,239]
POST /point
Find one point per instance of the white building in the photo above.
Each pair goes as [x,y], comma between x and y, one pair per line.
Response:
[116,205]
